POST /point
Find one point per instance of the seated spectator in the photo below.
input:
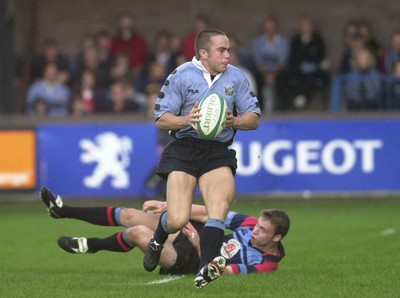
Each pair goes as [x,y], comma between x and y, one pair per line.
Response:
[79,107]
[50,53]
[89,92]
[121,69]
[176,44]
[129,41]
[355,43]
[270,53]
[235,59]
[48,95]
[90,61]
[372,44]
[392,56]
[103,46]
[200,23]
[40,107]
[306,71]
[393,87]
[149,86]
[350,30]
[162,52]
[87,42]
[121,101]
[362,86]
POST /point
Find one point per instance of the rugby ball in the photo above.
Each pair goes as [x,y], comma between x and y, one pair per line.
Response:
[213,116]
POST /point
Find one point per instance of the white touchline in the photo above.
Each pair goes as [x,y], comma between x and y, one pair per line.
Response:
[164,280]
[389,231]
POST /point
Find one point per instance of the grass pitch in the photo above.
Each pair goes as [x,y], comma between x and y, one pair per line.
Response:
[334,249]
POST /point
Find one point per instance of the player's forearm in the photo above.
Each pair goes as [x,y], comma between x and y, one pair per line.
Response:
[171,121]
[248,121]
[198,213]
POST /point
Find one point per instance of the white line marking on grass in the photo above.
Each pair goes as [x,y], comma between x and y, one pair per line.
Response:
[164,280]
[388,232]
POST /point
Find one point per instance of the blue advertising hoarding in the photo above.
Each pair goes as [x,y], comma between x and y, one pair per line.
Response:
[92,160]
[110,160]
[320,155]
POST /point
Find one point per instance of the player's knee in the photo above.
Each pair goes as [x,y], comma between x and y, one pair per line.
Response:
[135,233]
[128,215]
[176,222]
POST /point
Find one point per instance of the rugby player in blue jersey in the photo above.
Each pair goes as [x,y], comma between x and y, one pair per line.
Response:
[188,161]
[253,246]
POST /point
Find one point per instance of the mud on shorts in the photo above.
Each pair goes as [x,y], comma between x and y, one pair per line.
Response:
[195,157]
[187,261]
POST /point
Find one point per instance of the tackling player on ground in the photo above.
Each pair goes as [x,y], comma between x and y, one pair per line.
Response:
[254,245]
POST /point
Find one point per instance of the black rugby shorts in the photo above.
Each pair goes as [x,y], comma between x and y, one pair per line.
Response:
[195,157]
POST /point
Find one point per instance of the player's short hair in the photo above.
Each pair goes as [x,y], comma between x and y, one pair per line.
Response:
[203,40]
[279,219]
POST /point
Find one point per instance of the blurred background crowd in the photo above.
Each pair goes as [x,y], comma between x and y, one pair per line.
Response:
[122,71]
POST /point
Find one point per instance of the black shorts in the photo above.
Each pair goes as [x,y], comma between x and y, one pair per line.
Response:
[187,261]
[195,157]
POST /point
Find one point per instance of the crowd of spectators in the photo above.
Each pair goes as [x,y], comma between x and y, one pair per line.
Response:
[122,72]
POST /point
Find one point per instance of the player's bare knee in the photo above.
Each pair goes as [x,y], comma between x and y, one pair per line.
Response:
[135,233]
[176,222]
[127,216]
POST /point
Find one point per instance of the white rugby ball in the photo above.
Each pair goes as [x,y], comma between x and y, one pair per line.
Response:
[213,116]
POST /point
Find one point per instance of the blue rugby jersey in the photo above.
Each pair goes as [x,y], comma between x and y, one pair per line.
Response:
[249,259]
[191,82]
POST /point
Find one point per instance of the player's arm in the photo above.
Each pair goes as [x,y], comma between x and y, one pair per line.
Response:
[247,121]
[198,213]
[174,122]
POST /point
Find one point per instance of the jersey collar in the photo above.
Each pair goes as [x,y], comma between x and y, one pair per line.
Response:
[206,74]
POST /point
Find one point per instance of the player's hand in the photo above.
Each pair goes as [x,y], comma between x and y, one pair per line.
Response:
[153,206]
[194,115]
[191,233]
[230,119]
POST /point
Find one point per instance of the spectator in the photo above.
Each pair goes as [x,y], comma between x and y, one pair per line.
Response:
[176,44]
[90,61]
[392,56]
[355,42]
[48,95]
[121,94]
[88,94]
[362,86]
[306,70]
[372,44]
[121,69]
[129,41]
[201,22]
[50,53]
[87,42]
[350,30]
[79,107]
[150,85]
[393,87]
[103,46]
[270,52]
[162,52]
[235,59]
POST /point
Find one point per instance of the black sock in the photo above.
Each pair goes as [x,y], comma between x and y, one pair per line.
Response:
[211,240]
[160,235]
[115,243]
[103,216]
